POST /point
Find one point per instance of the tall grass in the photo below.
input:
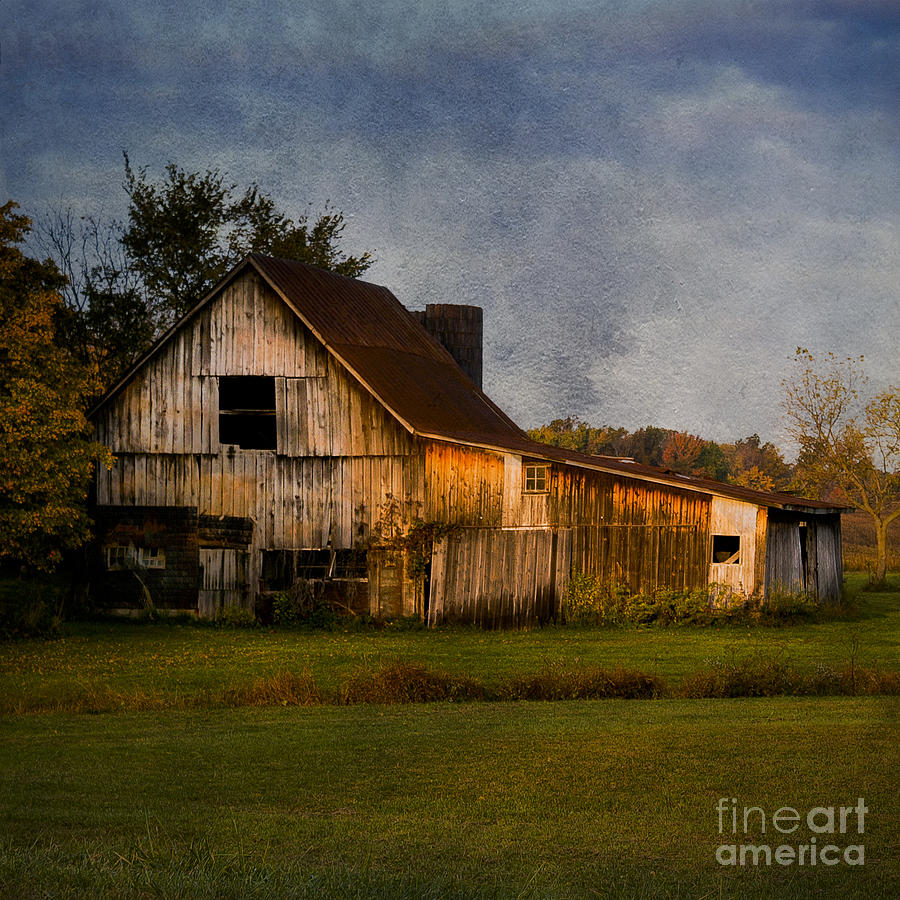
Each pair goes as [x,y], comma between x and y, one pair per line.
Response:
[402,682]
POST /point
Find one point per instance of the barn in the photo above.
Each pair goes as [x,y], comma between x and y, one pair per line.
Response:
[299,427]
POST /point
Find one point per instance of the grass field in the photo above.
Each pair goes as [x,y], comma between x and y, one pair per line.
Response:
[172,664]
[607,798]
[518,799]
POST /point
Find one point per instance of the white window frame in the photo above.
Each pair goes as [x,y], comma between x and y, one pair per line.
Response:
[120,557]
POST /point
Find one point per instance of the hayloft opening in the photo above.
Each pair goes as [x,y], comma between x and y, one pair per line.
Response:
[726,548]
[247,411]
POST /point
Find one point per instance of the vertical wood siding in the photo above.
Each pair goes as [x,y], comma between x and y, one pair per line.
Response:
[464,485]
[226,580]
[784,569]
[637,534]
[294,502]
[733,517]
[494,577]
[820,573]
[339,454]
[825,563]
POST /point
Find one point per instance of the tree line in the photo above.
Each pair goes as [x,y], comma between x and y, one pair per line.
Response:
[747,462]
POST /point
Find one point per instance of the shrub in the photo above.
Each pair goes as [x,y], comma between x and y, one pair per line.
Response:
[283,689]
[762,677]
[235,617]
[555,682]
[30,607]
[780,608]
[588,601]
[408,682]
[304,606]
[750,677]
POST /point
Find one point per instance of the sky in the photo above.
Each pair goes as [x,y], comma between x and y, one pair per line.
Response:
[655,201]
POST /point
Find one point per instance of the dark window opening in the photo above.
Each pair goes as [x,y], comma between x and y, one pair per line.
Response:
[282,568]
[352,564]
[804,553]
[247,411]
[726,548]
[312,564]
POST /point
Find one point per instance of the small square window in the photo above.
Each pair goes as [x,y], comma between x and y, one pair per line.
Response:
[536,479]
[152,557]
[726,548]
[118,557]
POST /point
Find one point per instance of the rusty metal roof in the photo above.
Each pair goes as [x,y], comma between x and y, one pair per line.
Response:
[386,349]
[372,333]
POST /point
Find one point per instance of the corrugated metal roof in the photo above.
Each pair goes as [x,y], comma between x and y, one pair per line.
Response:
[367,328]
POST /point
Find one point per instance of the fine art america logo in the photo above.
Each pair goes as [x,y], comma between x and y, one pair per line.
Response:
[822,842]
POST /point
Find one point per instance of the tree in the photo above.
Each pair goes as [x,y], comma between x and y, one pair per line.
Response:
[757,465]
[681,452]
[185,233]
[573,434]
[847,449]
[128,282]
[106,319]
[46,458]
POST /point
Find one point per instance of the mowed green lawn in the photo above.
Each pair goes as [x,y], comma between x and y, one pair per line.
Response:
[519,799]
[572,799]
[172,663]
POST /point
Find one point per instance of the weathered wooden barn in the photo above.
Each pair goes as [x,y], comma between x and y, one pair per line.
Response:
[298,425]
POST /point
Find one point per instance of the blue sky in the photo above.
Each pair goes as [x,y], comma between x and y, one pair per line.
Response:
[654,202]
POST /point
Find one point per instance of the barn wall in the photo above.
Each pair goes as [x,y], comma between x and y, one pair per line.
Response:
[642,535]
[464,485]
[784,555]
[825,569]
[495,577]
[804,555]
[733,518]
[340,460]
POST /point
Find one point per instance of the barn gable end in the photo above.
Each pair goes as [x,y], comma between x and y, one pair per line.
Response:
[337,454]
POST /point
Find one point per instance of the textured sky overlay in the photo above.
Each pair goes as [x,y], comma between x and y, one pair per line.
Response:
[654,202]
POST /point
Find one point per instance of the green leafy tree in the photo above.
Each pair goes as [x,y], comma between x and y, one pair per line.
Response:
[849,448]
[185,232]
[712,462]
[46,457]
[573,434]
[127,282]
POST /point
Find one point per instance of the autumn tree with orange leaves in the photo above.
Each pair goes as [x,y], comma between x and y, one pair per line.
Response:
[46,456]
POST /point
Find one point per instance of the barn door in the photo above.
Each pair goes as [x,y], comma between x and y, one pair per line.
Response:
[225,580]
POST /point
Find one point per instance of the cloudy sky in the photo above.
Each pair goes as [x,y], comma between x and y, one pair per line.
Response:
[655,201]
